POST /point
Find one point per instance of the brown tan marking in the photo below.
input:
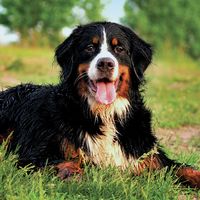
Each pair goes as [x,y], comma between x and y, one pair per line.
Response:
[81,84]
[95,40]
[149,163]
[190,176]
[83,68]
[74,161]
[124,74]
[67,169]
[70,153]
[114,42]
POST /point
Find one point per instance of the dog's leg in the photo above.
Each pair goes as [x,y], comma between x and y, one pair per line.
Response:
[148,162]
[189,176]
[67,169]
[186,174]
[46,148]
[74,160]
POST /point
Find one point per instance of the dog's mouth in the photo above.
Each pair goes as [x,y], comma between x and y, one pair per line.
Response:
[104,89]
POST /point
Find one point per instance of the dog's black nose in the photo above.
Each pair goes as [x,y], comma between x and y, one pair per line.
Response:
[105,64]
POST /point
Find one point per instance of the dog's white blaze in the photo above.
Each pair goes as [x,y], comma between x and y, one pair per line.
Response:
[104,46]
[104,53]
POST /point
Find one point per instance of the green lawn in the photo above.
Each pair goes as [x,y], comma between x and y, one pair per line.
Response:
[172,92]
[18,184]
[27,65]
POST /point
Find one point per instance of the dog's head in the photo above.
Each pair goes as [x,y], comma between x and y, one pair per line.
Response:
[103,60]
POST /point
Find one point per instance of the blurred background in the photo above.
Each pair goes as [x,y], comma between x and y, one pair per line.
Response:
[31,30]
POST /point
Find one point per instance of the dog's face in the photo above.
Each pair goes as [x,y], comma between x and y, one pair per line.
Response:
[103,61]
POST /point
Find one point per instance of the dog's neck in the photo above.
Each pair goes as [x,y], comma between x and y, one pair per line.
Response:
[119,108]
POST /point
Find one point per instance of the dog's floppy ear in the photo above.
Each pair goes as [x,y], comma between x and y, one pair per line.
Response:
[140,52]
[64,53]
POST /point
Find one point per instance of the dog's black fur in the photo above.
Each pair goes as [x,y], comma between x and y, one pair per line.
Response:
[41,118]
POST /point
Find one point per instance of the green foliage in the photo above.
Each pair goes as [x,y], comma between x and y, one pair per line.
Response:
[88,11]
[167,23]
[43,19]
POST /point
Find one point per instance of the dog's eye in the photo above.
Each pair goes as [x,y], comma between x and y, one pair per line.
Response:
[118,49]
[90,48]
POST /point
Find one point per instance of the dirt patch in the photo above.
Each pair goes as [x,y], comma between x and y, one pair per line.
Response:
[185,133]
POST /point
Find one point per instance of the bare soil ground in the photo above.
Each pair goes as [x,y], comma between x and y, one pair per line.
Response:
[186,138]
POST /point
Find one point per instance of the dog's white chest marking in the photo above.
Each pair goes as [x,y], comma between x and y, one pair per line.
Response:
[105,150]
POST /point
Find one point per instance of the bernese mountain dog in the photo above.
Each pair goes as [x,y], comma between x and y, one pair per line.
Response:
[95,115]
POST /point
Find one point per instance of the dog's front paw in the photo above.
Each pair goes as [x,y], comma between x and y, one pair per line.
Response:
[68,169]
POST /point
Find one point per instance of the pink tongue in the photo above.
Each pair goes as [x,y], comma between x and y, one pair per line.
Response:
[106,92]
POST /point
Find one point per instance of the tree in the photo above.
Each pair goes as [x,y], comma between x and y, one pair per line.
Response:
[175,22]
[91,11]
[45,18]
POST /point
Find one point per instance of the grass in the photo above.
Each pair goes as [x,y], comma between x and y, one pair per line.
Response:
[95,184]
[27,65]
[172,92]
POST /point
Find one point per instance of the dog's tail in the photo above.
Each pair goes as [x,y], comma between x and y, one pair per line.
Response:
[10,100]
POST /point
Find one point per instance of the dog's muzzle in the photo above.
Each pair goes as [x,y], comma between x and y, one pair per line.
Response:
[106,82]
[105,64]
